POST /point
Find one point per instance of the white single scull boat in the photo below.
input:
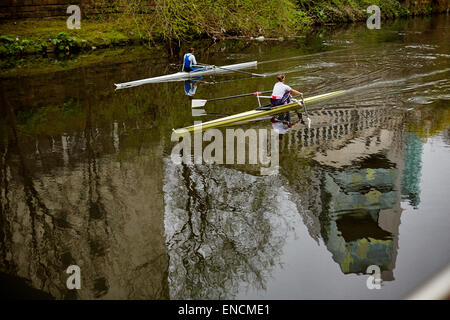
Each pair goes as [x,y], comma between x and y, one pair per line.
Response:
[182,75]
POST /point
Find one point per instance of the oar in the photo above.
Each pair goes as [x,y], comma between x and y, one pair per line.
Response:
[306,111]
[196,103]
[211,65]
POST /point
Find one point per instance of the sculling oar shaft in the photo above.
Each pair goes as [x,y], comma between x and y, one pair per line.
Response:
[228,69]
[306,111]
[241,95]
[201,102]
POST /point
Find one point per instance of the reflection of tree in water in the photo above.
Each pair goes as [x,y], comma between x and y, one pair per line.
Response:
[305,189]
[97,223]
[39,223]
[224,229]
[5,207]
[47,258]
[72,203]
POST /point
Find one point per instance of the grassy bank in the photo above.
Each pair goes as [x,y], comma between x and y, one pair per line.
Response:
[176,21]
[42,36]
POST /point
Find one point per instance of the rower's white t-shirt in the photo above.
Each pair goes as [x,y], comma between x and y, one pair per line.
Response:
[279,127]
[192,90]
[279,89]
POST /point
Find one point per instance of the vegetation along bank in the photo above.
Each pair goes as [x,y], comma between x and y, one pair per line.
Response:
[107,23]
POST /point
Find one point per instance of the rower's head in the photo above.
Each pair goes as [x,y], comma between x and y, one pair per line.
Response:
[281,77]
[190,50]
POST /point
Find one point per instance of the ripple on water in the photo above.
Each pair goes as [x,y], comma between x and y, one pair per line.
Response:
[336,42]
[423,56]
[308,79]
[422,46]
[421,100]
[402,33]
[238,56]
[322,64]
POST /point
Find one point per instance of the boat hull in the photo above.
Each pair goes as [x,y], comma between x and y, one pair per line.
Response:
[181,76]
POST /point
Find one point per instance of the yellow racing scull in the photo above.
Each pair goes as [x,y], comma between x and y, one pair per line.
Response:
[254,114]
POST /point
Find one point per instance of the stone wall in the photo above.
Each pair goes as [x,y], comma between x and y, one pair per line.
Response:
[27,9]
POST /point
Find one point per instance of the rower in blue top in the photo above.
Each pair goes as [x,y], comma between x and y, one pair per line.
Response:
[189,61]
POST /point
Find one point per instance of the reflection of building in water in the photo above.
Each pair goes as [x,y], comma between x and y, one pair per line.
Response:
[353,201]
[62,204]
[446,136]
[361,215]
[413,167]
[422,123]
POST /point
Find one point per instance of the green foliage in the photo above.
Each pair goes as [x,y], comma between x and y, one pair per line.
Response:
[64,42]
[6,39]
[335,11]
[188,19]
[10,46]
[172,20]
[122,22]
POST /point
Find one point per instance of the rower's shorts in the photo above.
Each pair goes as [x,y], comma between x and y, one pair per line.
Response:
[189,69]
[283,100]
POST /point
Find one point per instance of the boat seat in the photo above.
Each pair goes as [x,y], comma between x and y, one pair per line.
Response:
[265,107]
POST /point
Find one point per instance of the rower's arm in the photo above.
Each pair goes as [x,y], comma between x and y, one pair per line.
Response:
[295,92]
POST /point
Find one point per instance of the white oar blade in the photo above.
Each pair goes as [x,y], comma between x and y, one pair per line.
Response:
[198,112]
[197,103]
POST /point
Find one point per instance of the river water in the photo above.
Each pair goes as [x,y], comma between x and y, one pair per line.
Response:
[87,176]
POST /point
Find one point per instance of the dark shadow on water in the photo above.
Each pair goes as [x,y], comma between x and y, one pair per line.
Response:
[16,288]
[355,226]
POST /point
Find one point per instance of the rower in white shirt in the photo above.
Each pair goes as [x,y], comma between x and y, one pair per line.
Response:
[281,93]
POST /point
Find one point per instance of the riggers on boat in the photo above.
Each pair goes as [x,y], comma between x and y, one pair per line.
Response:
[254,114]
[179,76]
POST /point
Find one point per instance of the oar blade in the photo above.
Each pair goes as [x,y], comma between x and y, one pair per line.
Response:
[197,103]
[198,112]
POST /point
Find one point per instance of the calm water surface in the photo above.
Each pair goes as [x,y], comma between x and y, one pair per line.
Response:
[87,178]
